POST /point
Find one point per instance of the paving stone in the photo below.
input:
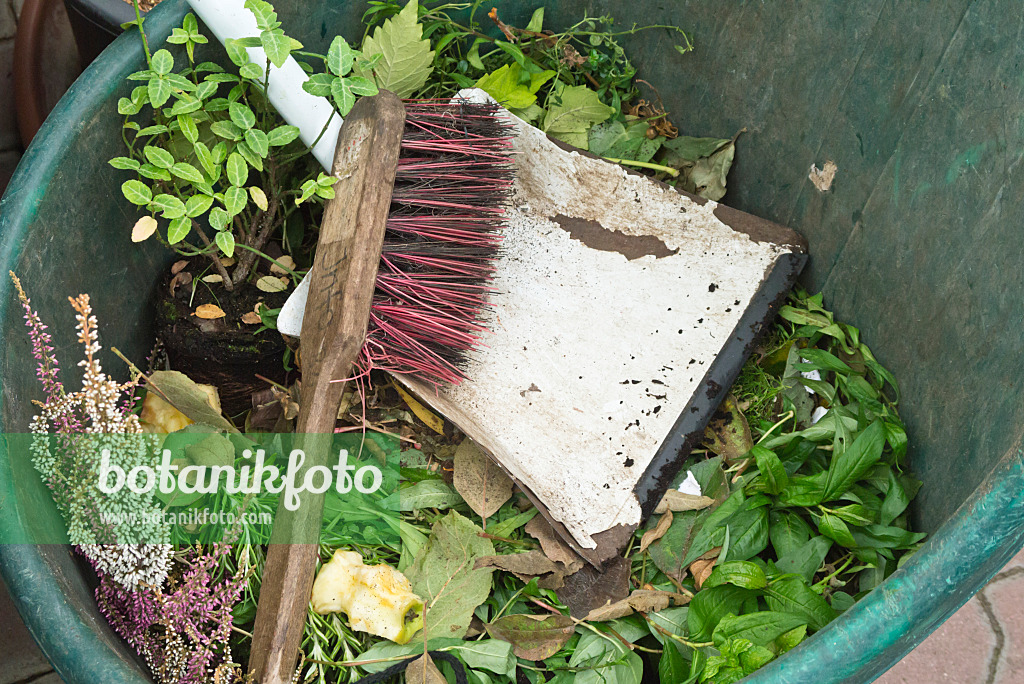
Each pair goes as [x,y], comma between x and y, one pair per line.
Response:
[959,651]
[20,658]
[1006,596]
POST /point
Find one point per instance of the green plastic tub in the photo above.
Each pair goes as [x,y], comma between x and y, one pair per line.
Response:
[917,243]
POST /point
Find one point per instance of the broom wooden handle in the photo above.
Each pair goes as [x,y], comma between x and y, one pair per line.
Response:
[335,320]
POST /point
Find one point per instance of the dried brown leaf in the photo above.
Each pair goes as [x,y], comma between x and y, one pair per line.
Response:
[526,566]
[640,601]
[479,480]
[179,280]
[213,278]
[728,433]
[209,311]
[251,318]
[674,500]
[822,178]
[657,532]
[552,545]
[285,261]
[591,588]
[177,266]
[423,671]
[702,567]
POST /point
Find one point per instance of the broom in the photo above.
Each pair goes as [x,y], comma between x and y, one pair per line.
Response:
[399,283]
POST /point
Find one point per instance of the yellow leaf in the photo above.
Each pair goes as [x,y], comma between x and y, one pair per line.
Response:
[213,278]
[210,311]
[285,261]
[272,284]
[259,198]
[421,411]
[227,262]
[143,228]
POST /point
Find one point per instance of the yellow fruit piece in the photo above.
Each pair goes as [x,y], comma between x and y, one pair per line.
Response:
[377,598]
[160,417]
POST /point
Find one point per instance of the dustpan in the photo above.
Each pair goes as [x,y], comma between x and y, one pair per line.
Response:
[623,311]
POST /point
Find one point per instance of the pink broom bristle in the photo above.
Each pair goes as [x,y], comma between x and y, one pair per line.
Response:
[452,188]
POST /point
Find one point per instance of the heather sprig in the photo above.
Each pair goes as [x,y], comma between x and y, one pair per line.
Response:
[71,430]
[182,631]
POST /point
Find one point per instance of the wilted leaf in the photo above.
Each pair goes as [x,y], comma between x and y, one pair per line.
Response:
[285,261]
[444,575]
[479,480]
[209,311]
[822,178]
[179,279]
[143,228]
[640,601]
[615,139]
[213,278]
[657,532]
[187,396]
[728,433]
[423,413]
[526,566]
[251,318]
[272,284]
[590,588]
[406,58]
[423,671]
[674,500]
[574,110]
[177,266]
[533,637]
[704,163]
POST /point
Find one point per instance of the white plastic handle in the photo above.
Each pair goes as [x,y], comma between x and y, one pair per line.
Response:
[230,19]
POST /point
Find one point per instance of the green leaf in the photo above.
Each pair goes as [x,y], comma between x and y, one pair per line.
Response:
[253,72]
[125,163]
[241,115]
[179,229]
[885,536]
[187,172]
[406,58]
[444,575]
[493,655]
[789,640]
[263,11]
[426,494]
[603,660]
[342,95]
[219,218]
[794,595]
[188,128]
[691,149]
[709,606]
[238,170]
[533,637]
[340,57]
[253,159]
[226,129]
[235,199]
[805,559]
[536,23]
[473,56]
[672,669]
[127,107]
[236,51]
[614,139]
[162,62]
[896,499]
[137,192]
[788,532]
[848,467]
[158,156]
[761,628]
[804,490]
[225,239]
[707,177]
[186,105]
[833,527]
[506,527]
[505,86]
[738,573]
[319,84]
[278,46]
[257,140]
[159,91]
[154,172]
[772,472]
[206,159]
[171,206]
[573,111]
[259,198]
[197,205]
[282,135]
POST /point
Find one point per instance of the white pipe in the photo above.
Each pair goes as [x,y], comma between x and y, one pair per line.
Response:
[230,19]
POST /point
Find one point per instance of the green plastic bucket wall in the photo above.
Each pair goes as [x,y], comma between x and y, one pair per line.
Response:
[917,243]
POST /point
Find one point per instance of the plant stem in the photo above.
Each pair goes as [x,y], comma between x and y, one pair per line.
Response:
[145,43]
[645,165]
[284,268]
[228,285]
